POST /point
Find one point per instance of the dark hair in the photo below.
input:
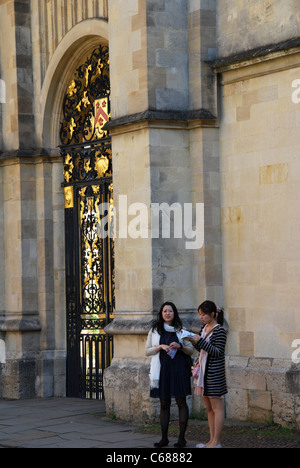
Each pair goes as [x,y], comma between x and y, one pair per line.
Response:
[159,324]
[209,307]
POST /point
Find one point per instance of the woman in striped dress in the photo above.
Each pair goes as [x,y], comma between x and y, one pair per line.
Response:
[210,380]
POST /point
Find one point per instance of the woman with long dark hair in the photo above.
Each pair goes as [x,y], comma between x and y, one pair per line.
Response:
[169,374]
[210,379]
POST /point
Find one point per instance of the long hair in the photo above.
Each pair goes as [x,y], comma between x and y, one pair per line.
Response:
[209,307]
[159,324]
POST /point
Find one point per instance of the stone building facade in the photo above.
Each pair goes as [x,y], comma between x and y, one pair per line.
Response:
[204,110]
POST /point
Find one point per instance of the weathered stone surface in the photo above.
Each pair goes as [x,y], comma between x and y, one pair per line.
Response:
[264,393]
[203,110]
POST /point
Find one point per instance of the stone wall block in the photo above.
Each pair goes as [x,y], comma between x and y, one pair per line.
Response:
[285,409]
[237,404]
[122,398]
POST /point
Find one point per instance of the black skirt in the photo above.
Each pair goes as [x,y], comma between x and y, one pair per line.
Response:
[175,377]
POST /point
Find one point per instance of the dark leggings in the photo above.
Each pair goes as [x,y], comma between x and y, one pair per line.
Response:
[165,405]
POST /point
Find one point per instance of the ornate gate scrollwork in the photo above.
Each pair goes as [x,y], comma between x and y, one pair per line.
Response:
[88,187]
[86,106]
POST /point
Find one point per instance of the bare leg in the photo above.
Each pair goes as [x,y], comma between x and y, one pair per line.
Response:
[218,417]
[210,417]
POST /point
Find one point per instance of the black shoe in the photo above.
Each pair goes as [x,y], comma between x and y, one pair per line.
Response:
[180,444]
[161,443]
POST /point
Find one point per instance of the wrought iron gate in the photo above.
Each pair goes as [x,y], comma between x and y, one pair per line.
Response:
[88,187]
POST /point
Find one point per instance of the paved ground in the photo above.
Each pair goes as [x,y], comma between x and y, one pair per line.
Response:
[72,423]
[64,423]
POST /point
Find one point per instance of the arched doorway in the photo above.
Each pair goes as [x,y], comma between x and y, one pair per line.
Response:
[88,186]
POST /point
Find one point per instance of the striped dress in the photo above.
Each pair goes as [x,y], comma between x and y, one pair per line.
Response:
[215,376]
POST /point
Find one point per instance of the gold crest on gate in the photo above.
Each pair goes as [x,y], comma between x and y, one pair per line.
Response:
[101,116]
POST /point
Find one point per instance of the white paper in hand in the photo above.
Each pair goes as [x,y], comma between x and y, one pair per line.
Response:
[186,335]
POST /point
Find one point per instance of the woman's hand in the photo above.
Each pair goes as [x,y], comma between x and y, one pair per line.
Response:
[175,345]
[166,348]
[196,338]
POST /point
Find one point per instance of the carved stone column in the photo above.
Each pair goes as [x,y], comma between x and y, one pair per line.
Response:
[152,127]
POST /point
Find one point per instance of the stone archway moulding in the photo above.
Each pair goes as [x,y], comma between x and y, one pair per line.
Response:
[81,38]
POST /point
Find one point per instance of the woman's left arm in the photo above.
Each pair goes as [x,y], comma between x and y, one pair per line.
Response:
[218,348]
[186,347]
